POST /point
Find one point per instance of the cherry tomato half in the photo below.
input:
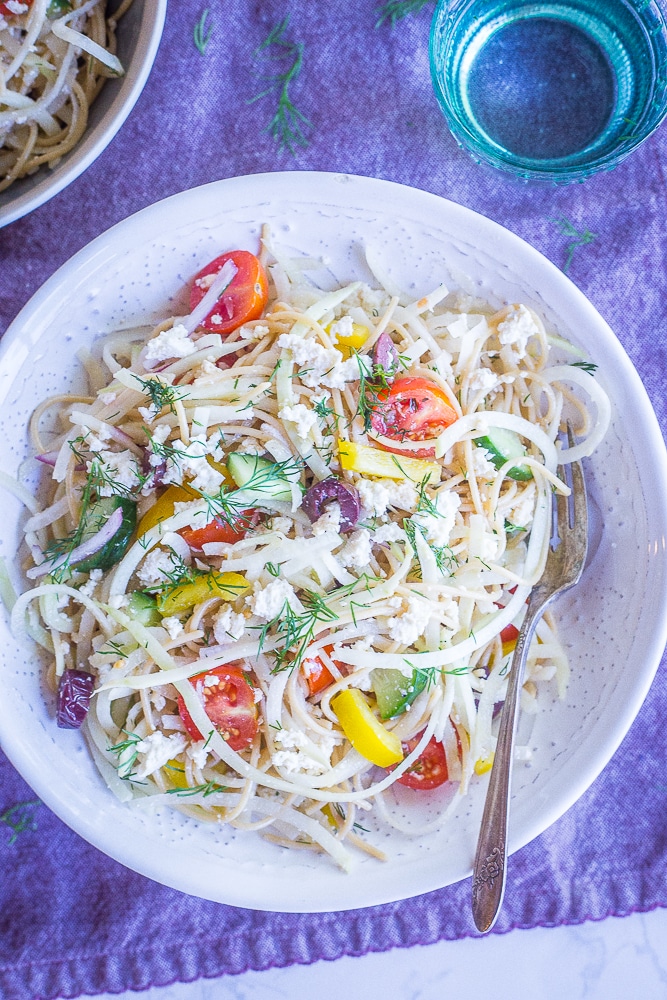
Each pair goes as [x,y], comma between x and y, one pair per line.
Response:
[429,770]
[243,300]
[229,703]
[318,676]
[415,409]
[219,530]
[7,11]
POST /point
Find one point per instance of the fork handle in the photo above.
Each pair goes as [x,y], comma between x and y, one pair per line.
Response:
[488,883]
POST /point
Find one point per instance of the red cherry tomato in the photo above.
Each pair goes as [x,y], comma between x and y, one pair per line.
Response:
[7,11]
[319,676]
[219,530]
[229,703]
[412,409]
[429,770]
[243,300]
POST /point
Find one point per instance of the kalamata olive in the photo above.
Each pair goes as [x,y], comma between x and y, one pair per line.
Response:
[385,354]
[319,495]
[74,691]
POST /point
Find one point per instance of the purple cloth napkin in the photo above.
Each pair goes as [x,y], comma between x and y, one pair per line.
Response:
[72,921]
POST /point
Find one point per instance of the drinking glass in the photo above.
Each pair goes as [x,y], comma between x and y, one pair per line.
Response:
[552,91]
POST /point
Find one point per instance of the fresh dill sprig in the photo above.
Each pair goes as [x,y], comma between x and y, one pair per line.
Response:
[577,239]
[208,788]
[20,817]
[115,650]
[160,393]
[230,505]
[296,631]
[587,366]
[288,123]
[374,384]
[445,559]
[273,569]
[126,753]
[202,32]
[395,10]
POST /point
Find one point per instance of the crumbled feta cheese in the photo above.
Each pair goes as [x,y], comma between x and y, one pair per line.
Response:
[156,750]
[173,626]
[119,601]
[191,461]
[516,330]
[14,7]
[119,470]
[391,532]
[149,413]
[267,602]
[357,549]
[207,373]
[155,568]
[407,627]
[284,524]
[308,353]
[481,543]
[299,753]
[250,446]
[172,343]
[343,327]
[439,526]
[522,513]
[482,466]
[482,380]
[302,418]
[227,625]
[448,609]
[198,753]
[95,442]
[89,587]
[378,494]
[330,519]
[198,515]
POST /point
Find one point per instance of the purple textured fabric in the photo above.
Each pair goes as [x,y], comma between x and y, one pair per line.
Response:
[72,921]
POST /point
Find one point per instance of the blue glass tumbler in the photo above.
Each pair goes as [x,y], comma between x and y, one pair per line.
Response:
[552,91]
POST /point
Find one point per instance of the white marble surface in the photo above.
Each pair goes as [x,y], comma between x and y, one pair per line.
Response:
[615,959]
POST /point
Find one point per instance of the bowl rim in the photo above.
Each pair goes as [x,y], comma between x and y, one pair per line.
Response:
[96,139]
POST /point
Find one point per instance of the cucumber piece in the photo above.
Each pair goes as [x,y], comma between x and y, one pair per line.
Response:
[394,691]
[503,445]
[264,478]
[143,608]
[114,550]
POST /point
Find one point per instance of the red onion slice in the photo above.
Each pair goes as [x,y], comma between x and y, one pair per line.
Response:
[83,551]
[319,495]
[74,691]
[385,354]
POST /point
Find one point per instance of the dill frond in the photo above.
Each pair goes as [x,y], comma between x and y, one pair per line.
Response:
[288,123]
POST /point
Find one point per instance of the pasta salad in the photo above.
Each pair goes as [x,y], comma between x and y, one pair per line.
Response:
[288,542]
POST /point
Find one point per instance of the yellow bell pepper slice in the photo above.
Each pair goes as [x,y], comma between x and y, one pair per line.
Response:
[484,763]
[364,731]
[373,462]
[164,507]
[174,772]
[347,343]
[184,596]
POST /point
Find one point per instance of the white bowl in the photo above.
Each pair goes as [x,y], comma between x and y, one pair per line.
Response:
[139,33]
[137,273]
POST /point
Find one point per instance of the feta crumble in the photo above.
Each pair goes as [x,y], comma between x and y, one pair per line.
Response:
[155,750]
[357,550]
[377,495]
[407,627]
[228,626]
[172,343]
[267,602]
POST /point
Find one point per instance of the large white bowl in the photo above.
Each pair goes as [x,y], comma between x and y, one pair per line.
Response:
[137,273]
[139,33]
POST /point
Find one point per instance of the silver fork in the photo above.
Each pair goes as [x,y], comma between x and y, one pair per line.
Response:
[563,569]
